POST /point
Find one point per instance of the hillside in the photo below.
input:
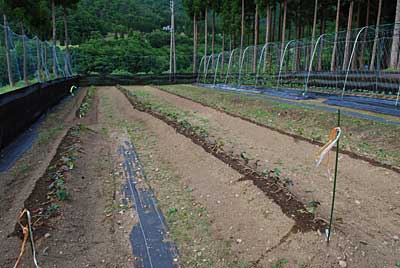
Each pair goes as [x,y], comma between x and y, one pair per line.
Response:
[102,17]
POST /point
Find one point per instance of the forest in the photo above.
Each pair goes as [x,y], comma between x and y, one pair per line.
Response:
[129,36]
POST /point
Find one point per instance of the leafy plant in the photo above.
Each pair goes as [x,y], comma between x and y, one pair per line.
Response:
[280,263]
[277,171]
[51,210]
[312,206]
[172,211]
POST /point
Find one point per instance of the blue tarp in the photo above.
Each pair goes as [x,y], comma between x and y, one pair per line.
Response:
[266,94]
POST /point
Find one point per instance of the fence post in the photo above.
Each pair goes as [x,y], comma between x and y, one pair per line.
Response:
[10,78]
[24,56]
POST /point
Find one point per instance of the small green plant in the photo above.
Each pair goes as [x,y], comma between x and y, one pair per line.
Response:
[280,263]
[51,210]
[87,102]
[365,145]
[277,171]
[58,186]
[397,264]
[245,157]
[21,170]
[104,132]
[172,211]
[312,206]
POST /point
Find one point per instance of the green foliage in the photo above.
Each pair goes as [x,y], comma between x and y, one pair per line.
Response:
[140,52]
[280,263]
[104,17]
[87,103]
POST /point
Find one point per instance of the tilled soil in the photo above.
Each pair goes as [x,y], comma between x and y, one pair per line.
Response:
[93,226]
[18,183]
[366,209]
[241,213]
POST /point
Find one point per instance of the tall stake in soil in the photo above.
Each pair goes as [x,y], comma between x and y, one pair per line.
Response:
[334,184]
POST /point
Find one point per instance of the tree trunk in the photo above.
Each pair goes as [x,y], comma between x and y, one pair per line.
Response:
[24,56]
[44,45]
[298,49]
[283,27]
[242,35]
[8,58]
[361,59]
[355,56]
[53,16]
[333,61]
[314,26]
[67,53]
[194,43]
[213,41]
[348,36]
[256,36]
[205,40]
[394,54]
[38,59]
[173,41]
[273,23]
[223,53]
[378,21]
[267,32]
[279,32]
[321,45]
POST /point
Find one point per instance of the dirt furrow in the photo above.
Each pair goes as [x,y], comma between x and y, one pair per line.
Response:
[366,209]
[240,212]
[18,183]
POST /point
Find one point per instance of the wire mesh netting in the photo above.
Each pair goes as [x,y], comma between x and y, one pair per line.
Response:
[27,60]
[364,60]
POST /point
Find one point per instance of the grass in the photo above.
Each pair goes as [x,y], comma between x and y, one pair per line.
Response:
[382,139]
[47,135]
[188,119]
[280,263]
[18,85]
[21,170]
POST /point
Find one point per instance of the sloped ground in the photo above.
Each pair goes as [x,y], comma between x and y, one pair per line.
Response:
[216,217]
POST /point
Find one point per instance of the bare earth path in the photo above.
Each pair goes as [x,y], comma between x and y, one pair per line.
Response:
[368,205]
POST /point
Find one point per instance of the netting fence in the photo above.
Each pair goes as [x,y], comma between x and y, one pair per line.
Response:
[27,60]
[362,60]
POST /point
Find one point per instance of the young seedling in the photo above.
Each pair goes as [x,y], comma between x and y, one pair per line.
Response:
[280,263]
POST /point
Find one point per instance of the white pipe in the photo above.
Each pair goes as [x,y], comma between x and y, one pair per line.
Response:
[229,65]
[216,69]
[259,63]
[351,58]
[199,73]
[241,64]
[311,62]
[263,54]
[208,65]
[398,96]
[281,60]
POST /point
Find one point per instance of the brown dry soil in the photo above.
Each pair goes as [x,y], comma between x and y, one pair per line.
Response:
[216,218]
[367,209]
